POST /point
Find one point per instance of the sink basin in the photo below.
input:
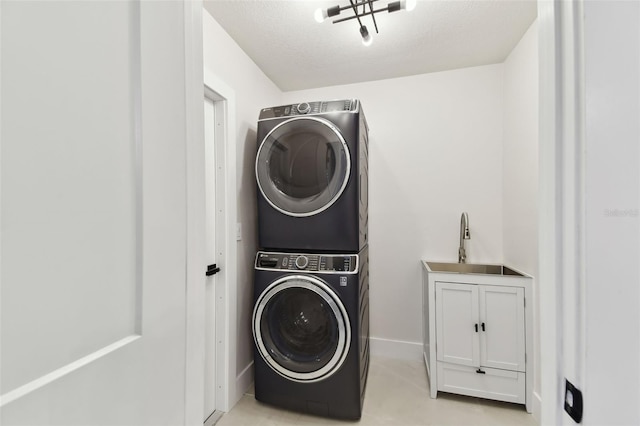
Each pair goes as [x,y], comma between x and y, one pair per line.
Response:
[470,268]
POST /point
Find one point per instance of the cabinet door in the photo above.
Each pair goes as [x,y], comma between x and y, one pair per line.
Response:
[502,332]
[456,323]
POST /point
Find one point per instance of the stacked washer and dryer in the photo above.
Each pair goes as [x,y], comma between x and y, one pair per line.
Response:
[311,295]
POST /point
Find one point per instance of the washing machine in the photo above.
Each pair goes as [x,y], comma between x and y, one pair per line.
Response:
[311,332]
[312,174]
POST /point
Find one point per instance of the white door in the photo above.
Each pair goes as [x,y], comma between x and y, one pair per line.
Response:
[210,287]
[502,333]
[93,213]
[457,328]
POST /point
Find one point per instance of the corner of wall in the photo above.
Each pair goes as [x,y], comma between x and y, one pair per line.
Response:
[537,407]
[520,176]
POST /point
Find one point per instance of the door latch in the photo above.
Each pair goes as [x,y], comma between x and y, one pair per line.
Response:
[212,270]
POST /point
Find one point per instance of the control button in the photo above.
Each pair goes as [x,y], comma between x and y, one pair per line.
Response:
[284,262]
[322,264]
[302,262]
[304,108]
[287,110]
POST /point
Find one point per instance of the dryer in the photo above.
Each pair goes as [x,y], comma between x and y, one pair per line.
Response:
[311,332]
[312,174]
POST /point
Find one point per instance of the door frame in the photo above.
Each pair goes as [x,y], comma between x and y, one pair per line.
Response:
[561,233]
[225,309]
[199,84]
[223,98]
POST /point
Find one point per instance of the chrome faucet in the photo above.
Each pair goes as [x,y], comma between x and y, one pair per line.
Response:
[464,235]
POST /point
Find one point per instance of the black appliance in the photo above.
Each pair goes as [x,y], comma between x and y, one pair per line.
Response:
[311,331]
[312,175]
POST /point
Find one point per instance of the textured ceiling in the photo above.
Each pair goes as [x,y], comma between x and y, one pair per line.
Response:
[295,52]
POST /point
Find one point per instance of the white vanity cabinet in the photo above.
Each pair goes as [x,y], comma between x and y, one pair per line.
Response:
[476,333]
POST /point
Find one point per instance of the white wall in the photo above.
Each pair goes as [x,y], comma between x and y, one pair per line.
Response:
[520,171]
[612,291]
[253,91]
[435,151]
[520,154]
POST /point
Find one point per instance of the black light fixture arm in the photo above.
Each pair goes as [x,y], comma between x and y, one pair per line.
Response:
[391,7]
[352,5]
[373,16]
[359,8]
[355,10]
[348,18]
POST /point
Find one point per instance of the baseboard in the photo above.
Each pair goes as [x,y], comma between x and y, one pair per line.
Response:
[426,364]
[396,349]
[536,409]
[244,381]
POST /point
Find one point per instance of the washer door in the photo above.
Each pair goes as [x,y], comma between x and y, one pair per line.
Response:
[301,328]
[303,166]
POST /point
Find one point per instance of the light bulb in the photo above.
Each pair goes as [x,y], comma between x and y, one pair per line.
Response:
[320,15]
[408,5]
[366,37]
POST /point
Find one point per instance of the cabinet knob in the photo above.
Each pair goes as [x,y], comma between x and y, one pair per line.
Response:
[476,327]
[480,371]
[483,327]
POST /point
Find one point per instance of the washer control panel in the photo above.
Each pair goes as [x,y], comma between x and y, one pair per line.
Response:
[326,263]
[304,108]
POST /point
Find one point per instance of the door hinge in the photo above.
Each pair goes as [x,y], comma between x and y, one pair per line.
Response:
[212,270]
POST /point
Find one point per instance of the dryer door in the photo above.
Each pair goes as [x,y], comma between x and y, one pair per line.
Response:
[301,328]
[303,166]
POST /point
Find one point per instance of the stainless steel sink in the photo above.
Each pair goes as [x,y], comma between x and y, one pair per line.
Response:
[470,268]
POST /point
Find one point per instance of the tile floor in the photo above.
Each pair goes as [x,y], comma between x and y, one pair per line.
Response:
[397,394]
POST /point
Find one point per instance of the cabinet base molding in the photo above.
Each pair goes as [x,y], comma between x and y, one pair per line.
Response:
[501,385]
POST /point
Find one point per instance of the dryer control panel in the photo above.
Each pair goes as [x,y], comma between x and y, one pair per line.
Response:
[306,108]
[322,263]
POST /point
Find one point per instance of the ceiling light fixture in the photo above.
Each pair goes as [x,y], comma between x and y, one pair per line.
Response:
[359,9]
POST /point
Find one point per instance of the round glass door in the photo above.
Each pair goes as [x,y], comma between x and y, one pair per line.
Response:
[301,328]
[303,166]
